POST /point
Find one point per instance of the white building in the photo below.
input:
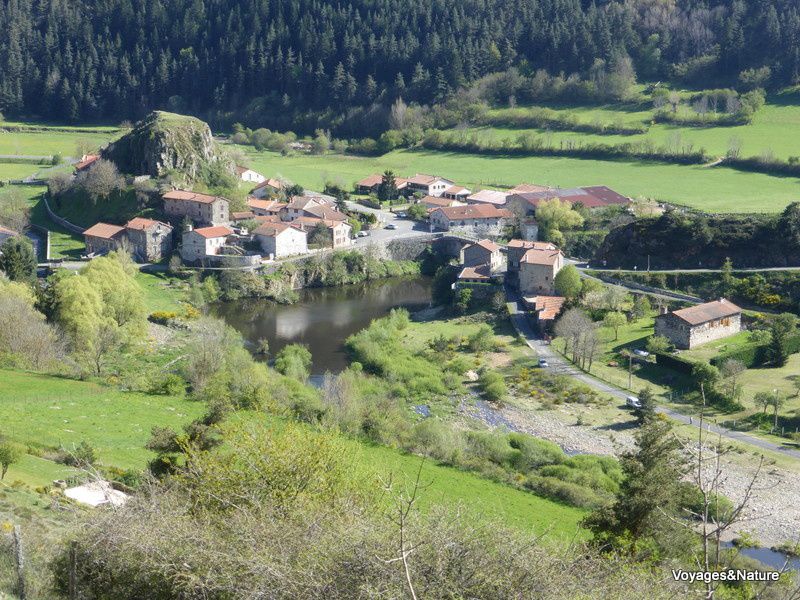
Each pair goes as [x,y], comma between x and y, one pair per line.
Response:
[203,242]
[278,240]
[430,185]
[488,197]
[249,175]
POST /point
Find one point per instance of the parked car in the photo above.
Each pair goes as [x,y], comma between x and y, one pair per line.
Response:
[391,226]
[543,363]
[362,234]
[633,402]
[640,352]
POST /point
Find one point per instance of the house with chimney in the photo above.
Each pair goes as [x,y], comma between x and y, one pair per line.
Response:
[201,209]
[199,244]
[537,271]
[147,240]
[278,240]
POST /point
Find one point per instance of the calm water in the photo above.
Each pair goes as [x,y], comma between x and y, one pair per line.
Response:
[324,317]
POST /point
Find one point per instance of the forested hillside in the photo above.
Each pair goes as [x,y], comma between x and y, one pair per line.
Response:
[118,59]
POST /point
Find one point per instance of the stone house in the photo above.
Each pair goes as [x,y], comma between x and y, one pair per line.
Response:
[102,238]
[201,209]
[148,240]
[690,327]
[479,219]
[516,249]
[281,239]
[538,270]
[197,244]
[484,252]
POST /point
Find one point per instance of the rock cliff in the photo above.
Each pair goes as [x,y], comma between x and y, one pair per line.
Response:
[166,143]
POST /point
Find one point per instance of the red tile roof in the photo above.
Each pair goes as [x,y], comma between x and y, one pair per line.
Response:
[488,245]
[142,224]
[370,181]
[242,215]
[273,229]
[87,161]
[483,272]
[421,179]
[271,182]
[534,256]
[474,211]
[710,311]
[590,197]
[326,213]
[7,231]
[188,196]
[104,230]
[302,202]
[530,244]
[457,190]
[266,205]
[548,307]
[214,232]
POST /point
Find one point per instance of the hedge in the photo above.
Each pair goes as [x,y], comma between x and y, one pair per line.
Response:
[755,355]
[676,363]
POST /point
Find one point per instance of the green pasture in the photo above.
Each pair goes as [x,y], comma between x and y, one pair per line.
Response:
[48,142]
[710,189]
[47,412]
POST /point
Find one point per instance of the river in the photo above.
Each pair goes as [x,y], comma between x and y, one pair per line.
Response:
[324,317]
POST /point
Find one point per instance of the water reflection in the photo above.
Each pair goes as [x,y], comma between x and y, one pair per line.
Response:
[325,317]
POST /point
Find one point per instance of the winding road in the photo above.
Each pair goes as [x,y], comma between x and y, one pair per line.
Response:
[559,365]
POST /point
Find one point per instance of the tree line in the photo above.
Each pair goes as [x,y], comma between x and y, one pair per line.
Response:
[288,62]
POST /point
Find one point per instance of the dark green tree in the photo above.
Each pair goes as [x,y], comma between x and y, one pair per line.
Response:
[18,259]
[780,328]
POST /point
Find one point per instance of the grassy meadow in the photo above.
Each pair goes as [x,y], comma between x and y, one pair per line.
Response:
[709,189]
[45,412]
[54,140]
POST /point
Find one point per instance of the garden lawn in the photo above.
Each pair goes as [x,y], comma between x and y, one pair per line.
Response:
[50,412]
[708,351]
[710,189]
[63,243]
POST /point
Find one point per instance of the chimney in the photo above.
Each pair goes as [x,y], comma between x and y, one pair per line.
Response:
[663,310]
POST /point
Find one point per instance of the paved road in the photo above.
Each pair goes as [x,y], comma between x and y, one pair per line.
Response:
[560,365]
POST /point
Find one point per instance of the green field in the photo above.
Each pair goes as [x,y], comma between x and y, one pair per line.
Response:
[50,412]
[17,170]
[51,141]
[775,128]
[161,292]
[710,189]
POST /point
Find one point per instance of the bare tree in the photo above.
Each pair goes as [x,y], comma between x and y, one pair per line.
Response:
[730,371]
[570,327]
[708,474]
[14,210]
[101,179]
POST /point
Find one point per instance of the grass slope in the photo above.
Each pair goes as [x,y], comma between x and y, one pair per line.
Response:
[710,189]
[48,412]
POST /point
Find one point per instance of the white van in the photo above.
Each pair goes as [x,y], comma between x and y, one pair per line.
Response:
[633,402]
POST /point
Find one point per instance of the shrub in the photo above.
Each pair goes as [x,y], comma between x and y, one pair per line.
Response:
[493,385]
[532,453]
[162,317]
[170,384]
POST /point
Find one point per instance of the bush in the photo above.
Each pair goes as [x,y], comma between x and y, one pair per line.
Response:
[170,384]
[532,453]
[162,317]
[493,385]
[564,491]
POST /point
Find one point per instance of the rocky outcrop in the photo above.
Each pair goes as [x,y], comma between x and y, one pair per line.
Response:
[166,143]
